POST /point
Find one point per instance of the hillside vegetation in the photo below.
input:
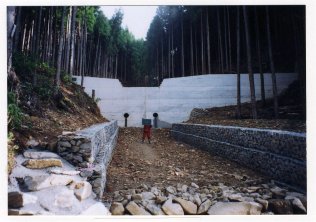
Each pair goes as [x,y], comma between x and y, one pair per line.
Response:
[36,114]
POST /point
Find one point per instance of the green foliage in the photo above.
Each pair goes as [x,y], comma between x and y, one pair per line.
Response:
[102,25]
[45,69]
[24,65]
[66,78]
[88,12]
[14,114]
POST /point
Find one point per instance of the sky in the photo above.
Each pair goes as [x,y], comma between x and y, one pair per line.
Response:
[136,18]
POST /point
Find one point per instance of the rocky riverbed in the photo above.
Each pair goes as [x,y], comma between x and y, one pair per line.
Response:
[213,199]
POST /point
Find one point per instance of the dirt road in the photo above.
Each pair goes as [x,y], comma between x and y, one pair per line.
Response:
[167,162]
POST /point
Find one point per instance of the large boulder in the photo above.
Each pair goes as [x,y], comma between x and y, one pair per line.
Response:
[154,209]
[18,199]
[117,208]
[42,163]
[188,206]
[45,181]
[204,207]
[39,154]
[96,209]
[280,206]
[170,208]
[83,190]
[235,208]
[134,209]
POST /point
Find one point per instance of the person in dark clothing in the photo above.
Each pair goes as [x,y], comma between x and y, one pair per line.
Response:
[147,132]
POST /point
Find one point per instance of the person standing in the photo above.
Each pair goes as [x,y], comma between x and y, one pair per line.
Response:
[146,133]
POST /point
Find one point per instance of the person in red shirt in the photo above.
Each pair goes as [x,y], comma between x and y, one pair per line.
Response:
[147,132]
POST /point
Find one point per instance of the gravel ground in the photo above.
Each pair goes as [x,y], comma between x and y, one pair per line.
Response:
[166,162]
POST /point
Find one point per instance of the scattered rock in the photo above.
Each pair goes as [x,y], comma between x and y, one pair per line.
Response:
[83,190]
[42,163]
[171,190]
[64,144]
[85,146]
[263,202]
[278,193]
[236,197]
[188,206]
[65,199]
[39,154]
[146,202]
[117,208]
[18,199]
[154,190]
[170,208]
[96,209]
[194,185]
[196,199]
[148,196]
[32,143]
[21,212]
[134,209]
[234,208]
[137,197]
[86,173]
[65,172]
[161,199]
[255,208]
[298,207]
[204,207]
[144,186]
[280,206]
[42,182]
[154,209]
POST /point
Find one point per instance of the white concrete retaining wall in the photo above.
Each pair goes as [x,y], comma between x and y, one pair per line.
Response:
[176,97]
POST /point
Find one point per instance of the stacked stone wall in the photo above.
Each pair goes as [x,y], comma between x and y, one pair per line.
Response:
[279,154]
[90,149]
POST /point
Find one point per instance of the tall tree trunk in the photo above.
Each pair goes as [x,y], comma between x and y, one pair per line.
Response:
[196,53]
[169,52]
[60,48]
[225,39]
[173,51]
[162,65]
[202,45]
[274,85]
[182,47]
[17,30]
[72,48]
[157,64]
[249,59]
[68,40]
[51,36]
[229,42]
[10,35]
[38,31]
[238,64]
[263,98]
[191,49]
[208,43]
[220,42]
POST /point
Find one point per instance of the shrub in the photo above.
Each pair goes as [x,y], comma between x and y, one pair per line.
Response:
[15,115]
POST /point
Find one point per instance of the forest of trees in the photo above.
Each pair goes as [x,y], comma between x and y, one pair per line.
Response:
[195,40]
[181,41]
[89,43]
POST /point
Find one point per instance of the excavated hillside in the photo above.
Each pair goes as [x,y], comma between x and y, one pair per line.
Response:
[44,115]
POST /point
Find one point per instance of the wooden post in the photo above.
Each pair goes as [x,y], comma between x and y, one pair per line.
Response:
[93,94]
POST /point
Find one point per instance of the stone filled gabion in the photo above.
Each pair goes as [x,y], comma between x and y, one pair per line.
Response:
[279,154]
[75,149]
[90,149]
